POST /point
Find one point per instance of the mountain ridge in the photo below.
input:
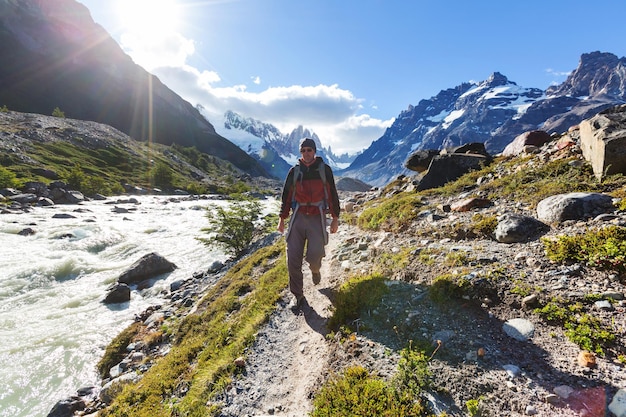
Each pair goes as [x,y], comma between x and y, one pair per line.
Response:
[494,112]
[55,56]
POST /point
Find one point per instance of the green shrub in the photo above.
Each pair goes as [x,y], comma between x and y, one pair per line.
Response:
[581,328]
[446,287]
[413,375]
[357,393]
[234,228]
[355,295]
[393,214]
[8,179]
[604,249]
[58,113]
[161,175]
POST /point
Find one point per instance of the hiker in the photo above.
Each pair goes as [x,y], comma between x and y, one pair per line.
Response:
[310,194]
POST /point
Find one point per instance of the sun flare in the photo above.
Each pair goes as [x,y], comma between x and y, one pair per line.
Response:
[148,16]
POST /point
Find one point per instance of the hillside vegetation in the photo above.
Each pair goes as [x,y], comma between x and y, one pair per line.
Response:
[96,158]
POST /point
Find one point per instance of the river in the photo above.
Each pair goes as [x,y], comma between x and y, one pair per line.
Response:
[53,326]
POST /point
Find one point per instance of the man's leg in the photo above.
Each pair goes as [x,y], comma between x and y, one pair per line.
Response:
[315,249]
[295,254]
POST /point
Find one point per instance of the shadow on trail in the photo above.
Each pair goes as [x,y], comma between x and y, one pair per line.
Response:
[454,330]
[314,319]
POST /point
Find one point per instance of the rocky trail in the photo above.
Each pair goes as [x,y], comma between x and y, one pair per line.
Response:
[290,355]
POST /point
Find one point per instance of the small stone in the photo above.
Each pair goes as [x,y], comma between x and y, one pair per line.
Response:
[586,359]
[530,410]
[563,391]
[512,370]
[552,399]
[240,362]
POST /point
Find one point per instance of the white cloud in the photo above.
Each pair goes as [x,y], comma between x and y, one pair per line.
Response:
[331,112]
[555,73]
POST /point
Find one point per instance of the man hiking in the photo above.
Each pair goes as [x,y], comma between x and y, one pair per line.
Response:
[310,194]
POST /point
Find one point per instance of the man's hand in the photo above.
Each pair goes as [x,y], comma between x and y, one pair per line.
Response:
[281,225]
[334,225]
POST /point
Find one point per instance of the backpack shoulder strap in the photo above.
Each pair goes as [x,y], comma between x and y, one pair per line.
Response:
[322,169]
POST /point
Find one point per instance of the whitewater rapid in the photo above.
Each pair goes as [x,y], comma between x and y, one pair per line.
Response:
[53,325]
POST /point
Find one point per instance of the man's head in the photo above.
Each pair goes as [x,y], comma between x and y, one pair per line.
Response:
[307,149]
[307,143]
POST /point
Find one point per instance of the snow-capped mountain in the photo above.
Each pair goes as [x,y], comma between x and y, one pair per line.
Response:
[276,151]
[494,112]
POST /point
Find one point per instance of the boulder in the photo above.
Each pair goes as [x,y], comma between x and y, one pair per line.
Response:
[27,198]
[603,141]
[449,167]
[531,138]
[67,407]
[468,204]
[118,293]
[352,184]
[618,404]
[115,386]
[419,161]
[149,266]
[573,206]
[514,228]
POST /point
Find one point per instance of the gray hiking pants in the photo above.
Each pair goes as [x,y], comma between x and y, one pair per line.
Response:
[307,233]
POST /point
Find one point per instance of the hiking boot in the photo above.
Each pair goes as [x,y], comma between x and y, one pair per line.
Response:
[298,303]
[317,278]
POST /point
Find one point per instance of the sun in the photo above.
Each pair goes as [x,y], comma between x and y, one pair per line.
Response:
[148,16]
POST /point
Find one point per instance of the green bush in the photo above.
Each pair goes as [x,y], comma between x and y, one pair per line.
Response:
[161,175]
[581,328]
[604,249]
[356,393]
[234,228]
[58,113]
[355,295]
[8,179]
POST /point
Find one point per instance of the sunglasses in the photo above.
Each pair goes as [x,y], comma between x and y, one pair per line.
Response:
[303,150]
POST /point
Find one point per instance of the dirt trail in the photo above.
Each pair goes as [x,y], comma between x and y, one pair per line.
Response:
[285,365]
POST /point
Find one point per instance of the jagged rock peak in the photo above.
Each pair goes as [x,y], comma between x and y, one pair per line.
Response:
[497,79]
[598,73]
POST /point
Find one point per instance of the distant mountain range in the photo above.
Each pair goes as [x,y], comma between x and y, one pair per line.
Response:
[276,151]
[494,112]
[54,55]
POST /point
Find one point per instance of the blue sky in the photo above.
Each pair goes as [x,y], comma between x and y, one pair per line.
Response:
[346,68]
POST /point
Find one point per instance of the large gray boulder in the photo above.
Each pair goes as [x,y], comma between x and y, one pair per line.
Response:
[449,167]
[149,266]
[514,228]
[573,206]
[603,141]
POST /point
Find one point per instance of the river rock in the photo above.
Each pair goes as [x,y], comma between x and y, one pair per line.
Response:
[67,407]
[118,293]
[115,385]
[149,266]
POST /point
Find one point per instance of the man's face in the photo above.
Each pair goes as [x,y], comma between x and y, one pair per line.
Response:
[308,155]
